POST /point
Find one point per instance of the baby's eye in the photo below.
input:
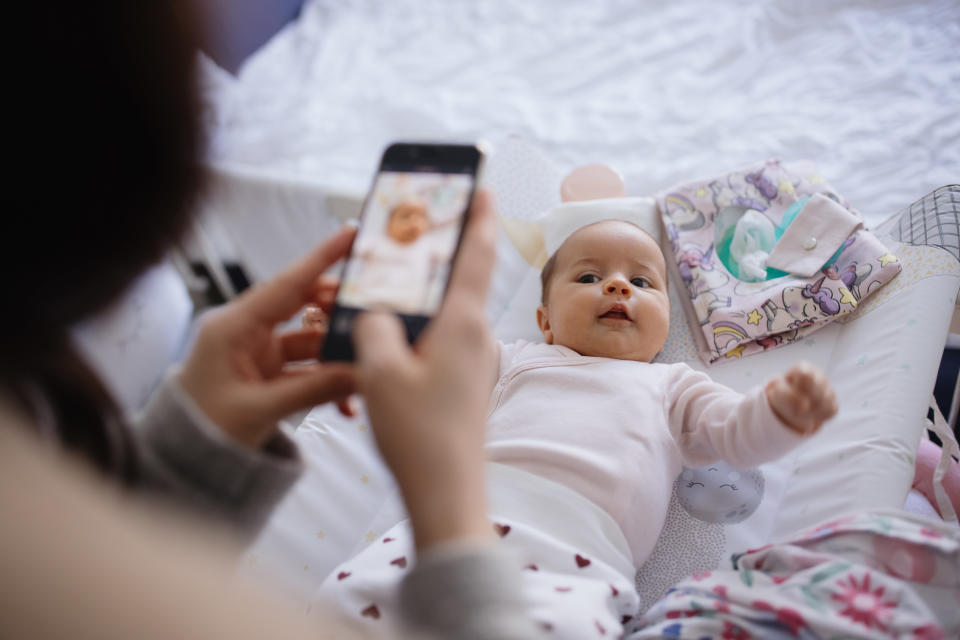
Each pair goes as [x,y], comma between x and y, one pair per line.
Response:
[588,278]
[643,283]
[732,486]
[691,484]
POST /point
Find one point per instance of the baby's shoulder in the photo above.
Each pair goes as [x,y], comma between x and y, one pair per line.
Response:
[524,349]
[514,353]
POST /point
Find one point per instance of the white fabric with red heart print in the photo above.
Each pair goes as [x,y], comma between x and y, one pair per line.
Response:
[577,568]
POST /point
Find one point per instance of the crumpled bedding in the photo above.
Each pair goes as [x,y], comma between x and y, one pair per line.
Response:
[664,92]
[873,574]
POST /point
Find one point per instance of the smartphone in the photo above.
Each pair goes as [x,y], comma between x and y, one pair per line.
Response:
[409,233]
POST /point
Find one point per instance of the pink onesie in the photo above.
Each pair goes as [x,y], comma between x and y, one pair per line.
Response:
[618,431]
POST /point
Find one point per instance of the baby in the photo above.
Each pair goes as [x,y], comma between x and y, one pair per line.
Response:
[615,419]
[407,222]
[590,434]
[400,269]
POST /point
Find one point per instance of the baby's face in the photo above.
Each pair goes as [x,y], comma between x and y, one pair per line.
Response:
[408,221]
[608,294]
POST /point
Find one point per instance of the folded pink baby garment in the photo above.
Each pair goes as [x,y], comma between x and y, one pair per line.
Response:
[769,254]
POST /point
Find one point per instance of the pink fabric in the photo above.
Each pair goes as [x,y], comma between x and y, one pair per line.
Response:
[592,182]
[928,457]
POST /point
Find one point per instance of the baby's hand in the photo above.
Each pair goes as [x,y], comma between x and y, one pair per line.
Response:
[316,315]
[314,318]
[802,398]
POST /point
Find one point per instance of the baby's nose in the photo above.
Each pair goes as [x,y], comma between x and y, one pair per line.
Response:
[618,285]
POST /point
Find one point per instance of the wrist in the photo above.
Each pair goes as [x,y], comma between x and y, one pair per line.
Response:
[243,433]
[770,391]
[448,505]
[788,424]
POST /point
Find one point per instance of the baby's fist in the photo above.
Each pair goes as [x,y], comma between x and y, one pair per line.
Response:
[314,317]
[802,398]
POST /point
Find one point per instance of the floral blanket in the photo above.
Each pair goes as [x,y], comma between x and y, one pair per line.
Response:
[875,574]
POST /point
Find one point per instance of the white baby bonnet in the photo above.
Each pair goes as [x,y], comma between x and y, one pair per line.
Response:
[564,219]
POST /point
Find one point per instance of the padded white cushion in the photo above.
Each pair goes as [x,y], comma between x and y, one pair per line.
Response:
[331,513]
[349,498]
[883,364]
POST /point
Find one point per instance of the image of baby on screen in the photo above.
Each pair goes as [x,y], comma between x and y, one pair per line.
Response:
[401,258]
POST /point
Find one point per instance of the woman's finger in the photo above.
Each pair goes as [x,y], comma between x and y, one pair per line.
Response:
[470,280]
[306,387]
[380,344]
[325,292]
[313,318]
[347,407]
[303,344]
[278,299]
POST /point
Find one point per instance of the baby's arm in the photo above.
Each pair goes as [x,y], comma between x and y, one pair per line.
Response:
[802,398]
[710,421]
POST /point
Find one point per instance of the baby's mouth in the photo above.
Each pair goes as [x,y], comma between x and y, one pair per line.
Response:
[616,312]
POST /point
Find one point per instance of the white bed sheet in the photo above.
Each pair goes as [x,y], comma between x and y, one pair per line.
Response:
[665,92]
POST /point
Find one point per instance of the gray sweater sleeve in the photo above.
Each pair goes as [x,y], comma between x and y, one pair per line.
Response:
[468,594]
[185,458]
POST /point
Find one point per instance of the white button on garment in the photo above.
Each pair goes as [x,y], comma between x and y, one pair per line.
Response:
[810,243]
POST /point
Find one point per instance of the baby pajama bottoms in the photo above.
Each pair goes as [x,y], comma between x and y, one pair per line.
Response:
[576,568]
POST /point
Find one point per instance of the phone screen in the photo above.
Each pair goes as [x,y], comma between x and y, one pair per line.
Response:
[409,233]
[401,258]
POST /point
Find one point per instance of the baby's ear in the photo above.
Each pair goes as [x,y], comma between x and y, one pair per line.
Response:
[543,321]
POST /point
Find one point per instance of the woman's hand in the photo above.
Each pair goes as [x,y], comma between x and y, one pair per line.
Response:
[246,377]
[428,405]
[802,398]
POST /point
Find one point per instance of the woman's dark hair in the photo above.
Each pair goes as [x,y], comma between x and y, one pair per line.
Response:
[113,130]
